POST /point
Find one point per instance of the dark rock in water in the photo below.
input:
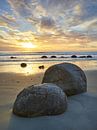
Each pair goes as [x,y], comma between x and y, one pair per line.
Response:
[53,57]
[62,57]
[89,56]
[68,76]
[73,56]
[41,67]
[13,57]
[40,100]
[23,65]
[44,57]
[82,57]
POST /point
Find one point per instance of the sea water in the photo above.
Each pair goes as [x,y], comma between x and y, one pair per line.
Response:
[11,61]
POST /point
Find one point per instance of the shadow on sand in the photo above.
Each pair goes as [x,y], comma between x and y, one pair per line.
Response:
[80,115]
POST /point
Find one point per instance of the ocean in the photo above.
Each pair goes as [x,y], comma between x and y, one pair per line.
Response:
[11,62]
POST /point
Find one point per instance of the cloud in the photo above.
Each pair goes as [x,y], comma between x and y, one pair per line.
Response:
[47,25]
[7,46]
[87,27]
[89,8]
[71,12]
[24,7]
[49,8]
[8,21]
[21,7]
[48,22]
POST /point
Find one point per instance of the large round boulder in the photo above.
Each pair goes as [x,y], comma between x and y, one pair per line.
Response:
[39,100]
[67,76]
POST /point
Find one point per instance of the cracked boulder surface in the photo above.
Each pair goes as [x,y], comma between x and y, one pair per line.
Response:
[40,100]
[67,76]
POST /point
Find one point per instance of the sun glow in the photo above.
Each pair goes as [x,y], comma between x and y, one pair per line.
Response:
[28,45]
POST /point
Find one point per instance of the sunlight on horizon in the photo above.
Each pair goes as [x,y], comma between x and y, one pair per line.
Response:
[28,45]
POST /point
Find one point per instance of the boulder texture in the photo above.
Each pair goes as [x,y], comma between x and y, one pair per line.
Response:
[67,76]
[40,100]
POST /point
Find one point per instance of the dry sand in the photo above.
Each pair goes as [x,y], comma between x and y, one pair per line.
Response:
[80,115]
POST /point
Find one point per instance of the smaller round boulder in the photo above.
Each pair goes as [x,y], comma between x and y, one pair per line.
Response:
[40,100]
[44,57]
[23,65]
[89,56]
[73,56]
[41,67]
[13,57]
[53,57]
[82,57]
[62,57]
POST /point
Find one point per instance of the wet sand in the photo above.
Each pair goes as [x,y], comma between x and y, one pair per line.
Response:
[81,113]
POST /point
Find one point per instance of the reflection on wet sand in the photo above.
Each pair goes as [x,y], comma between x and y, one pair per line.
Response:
[34,68]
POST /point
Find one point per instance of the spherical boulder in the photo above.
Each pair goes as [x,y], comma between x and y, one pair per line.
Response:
[12,57]
[41,67]
[23,65]
[40,100]
[82,56]
[62,57]
[53,57]
[89,56]
[44,57]
[67,76]
[73,56]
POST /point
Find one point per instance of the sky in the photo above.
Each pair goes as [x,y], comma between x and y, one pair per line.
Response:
[48,25]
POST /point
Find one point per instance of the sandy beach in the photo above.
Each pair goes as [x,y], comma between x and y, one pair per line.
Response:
[81,113]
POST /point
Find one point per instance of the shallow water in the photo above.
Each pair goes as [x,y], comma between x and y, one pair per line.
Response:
[33,67]
[34,60]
